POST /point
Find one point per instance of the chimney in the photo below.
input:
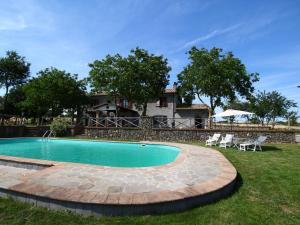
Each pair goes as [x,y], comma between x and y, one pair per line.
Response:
[174,86]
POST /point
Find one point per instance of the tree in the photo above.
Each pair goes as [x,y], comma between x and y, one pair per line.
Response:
[291,117]
[146,77]
[1,104]
[105,76]
[237,105]
[216,76]
[14,99]
[268,106]
[279,105]
[53,92]
[261,107]
[139,77]
[14,70]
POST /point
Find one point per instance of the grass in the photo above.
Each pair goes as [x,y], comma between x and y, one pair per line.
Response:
[268,192]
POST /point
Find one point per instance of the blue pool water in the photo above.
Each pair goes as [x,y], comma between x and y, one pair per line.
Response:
[114,154]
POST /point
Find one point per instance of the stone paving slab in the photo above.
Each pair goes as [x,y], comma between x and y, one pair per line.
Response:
[10,176]
[196,171]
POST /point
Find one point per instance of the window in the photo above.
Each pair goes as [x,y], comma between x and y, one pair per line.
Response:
[124,103]
[162,102]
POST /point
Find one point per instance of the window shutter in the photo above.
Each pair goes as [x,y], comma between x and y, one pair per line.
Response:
[158,103]
[121,102]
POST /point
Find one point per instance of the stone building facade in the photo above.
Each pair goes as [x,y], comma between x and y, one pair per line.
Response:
[167,111]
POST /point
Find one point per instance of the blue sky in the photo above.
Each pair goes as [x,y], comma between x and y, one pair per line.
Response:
[68,35]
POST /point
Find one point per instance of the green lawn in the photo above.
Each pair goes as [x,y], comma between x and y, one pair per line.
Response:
[268,193]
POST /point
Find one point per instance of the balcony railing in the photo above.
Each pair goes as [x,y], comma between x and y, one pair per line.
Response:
[110,122]
[152,122]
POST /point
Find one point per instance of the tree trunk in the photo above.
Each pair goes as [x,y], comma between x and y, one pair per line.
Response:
[144,113]
[4,104]
[116,105]
[262,121]
[39,120]
[72,116]
[79,114]
[209,118]
[211,112]
[273,123]
[5,98]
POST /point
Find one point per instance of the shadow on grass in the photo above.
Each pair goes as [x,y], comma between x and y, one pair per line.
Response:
[267,148]
[238,183]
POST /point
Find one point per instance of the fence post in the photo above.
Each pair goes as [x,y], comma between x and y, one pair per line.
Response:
[146,122]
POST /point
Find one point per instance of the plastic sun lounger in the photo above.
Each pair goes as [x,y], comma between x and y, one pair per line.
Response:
[227,141]
[213,140]
[253,145]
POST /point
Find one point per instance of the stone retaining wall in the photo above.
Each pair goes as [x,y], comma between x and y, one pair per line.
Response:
[11,131]
[174,135]
[279,136]
[23,131]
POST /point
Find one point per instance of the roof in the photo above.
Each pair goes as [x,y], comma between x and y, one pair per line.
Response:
[170,90]
[192,107]
[167,91]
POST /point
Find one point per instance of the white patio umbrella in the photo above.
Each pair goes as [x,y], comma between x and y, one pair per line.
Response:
[232,112]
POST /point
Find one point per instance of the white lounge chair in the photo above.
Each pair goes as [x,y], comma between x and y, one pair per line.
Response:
[253,145]
[227,141]
[213,140]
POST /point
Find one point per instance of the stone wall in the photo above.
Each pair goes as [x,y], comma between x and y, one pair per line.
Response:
[11,131]
[177,135]
[276,136]
[35,131]
[23,131]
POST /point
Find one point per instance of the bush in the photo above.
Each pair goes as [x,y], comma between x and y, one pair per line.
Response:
[60,126]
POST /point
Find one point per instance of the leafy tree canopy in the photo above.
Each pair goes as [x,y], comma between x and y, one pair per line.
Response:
[105,75]
[14,101]
[292,117]
[237,105]
[14,70]
[146,77]
[139,77]
[216,76]
[268,106]
[1,104]
[53,91]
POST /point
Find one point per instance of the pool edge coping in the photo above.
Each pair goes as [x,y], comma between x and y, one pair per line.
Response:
[179,158]
[217,187]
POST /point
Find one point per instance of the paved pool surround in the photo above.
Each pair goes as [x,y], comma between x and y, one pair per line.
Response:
[198,176]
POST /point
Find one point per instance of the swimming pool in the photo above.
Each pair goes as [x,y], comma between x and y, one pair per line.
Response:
[115,154]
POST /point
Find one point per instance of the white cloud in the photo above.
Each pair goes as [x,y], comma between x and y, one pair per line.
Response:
[14,23]
[287,60]
[21,15]
[248,29]
[210,35]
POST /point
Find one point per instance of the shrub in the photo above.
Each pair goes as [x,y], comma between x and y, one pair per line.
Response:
[60,126]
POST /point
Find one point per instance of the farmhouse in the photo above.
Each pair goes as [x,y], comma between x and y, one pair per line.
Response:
[167,111]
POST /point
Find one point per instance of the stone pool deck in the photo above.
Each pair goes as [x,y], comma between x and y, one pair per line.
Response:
[198,176]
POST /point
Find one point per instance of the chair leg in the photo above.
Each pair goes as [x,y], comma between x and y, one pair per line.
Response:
[242,147]
[254,148]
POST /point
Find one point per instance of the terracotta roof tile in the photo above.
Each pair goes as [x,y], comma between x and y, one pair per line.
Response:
[192,107]
[167,91]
